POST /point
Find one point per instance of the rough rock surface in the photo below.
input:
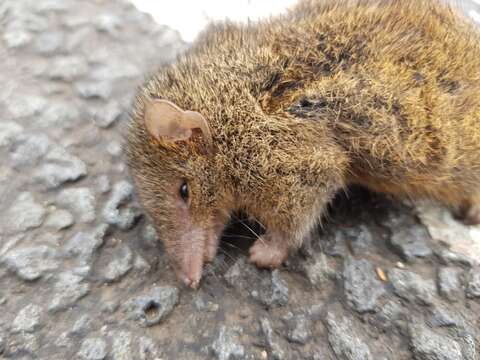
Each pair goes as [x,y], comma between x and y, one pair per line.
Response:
[428,345]
[83,275]
[362,286]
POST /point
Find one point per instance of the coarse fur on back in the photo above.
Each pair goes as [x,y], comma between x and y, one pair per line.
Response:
[381,93]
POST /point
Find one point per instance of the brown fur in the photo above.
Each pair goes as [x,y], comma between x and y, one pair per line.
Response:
[381,93]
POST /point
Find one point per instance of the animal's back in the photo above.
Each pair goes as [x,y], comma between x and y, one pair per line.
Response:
[399,84]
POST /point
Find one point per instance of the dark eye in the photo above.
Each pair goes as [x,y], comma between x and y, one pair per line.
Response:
[184,191]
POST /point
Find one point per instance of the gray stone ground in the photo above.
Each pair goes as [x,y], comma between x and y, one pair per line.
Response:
[83,276]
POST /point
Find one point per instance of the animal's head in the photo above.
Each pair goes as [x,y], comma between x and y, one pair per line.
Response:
[172,159]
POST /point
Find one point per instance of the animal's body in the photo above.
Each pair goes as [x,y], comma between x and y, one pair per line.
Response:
[383,93]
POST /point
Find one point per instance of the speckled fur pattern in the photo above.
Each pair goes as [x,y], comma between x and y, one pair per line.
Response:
[381,93]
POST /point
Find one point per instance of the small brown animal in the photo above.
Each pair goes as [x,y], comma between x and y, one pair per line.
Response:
[274,118]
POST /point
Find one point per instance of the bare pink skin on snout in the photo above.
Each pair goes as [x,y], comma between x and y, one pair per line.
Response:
[196,243]
[197,247]
[190,257]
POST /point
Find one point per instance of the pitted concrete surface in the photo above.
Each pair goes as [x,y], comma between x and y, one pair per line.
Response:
[83,275]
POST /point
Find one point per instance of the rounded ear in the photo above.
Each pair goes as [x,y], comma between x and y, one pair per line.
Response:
[166,121]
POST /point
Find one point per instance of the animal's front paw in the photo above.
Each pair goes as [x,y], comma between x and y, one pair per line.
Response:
[267,253]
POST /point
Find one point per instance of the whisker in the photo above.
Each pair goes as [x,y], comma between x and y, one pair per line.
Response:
[227,254]
[242,251]
[233,236]
[254,273]
[249,228]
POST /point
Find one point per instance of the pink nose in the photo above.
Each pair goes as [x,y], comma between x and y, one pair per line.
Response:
[190,269]
[190,278]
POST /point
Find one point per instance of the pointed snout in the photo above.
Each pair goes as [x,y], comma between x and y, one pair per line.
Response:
[190,275]
[190,265]
[193,250]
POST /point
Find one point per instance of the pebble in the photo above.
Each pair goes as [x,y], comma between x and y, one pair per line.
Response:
[26,106]
[279,292]
[149,234]
[59,219]
[271,292]
[360,239]
[107,115]
[27,320]
[9,130]
[412,287]
[49,42]
[58,167]
[28,149]
[468,344]
[114,148]
[361,285]
[299,328]
[75,20]
[411,242]
[103,184]
[150,309]
[115,212]
[120,265]
[94,90]
[445,229]
[441,316]
[110,307]
[473,283]
[337,246]
[16,38]
[84,244]
[21,344]
[428,345]
[345,342]
[121,345]
[227,346]
[275,348]
[318,271]
[32,22]
[449,283]
[448,257]
[67,291]
[59,115]
[31,263]
[63,340]
[117,69]
[82,325]
[25,213]
[142,265]
[202,305]
[93,349]
[108,23]
[67,68]
[388,315]
[267,287]
[80,201]
[148,349]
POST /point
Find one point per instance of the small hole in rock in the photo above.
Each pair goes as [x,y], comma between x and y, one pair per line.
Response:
[151,311]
